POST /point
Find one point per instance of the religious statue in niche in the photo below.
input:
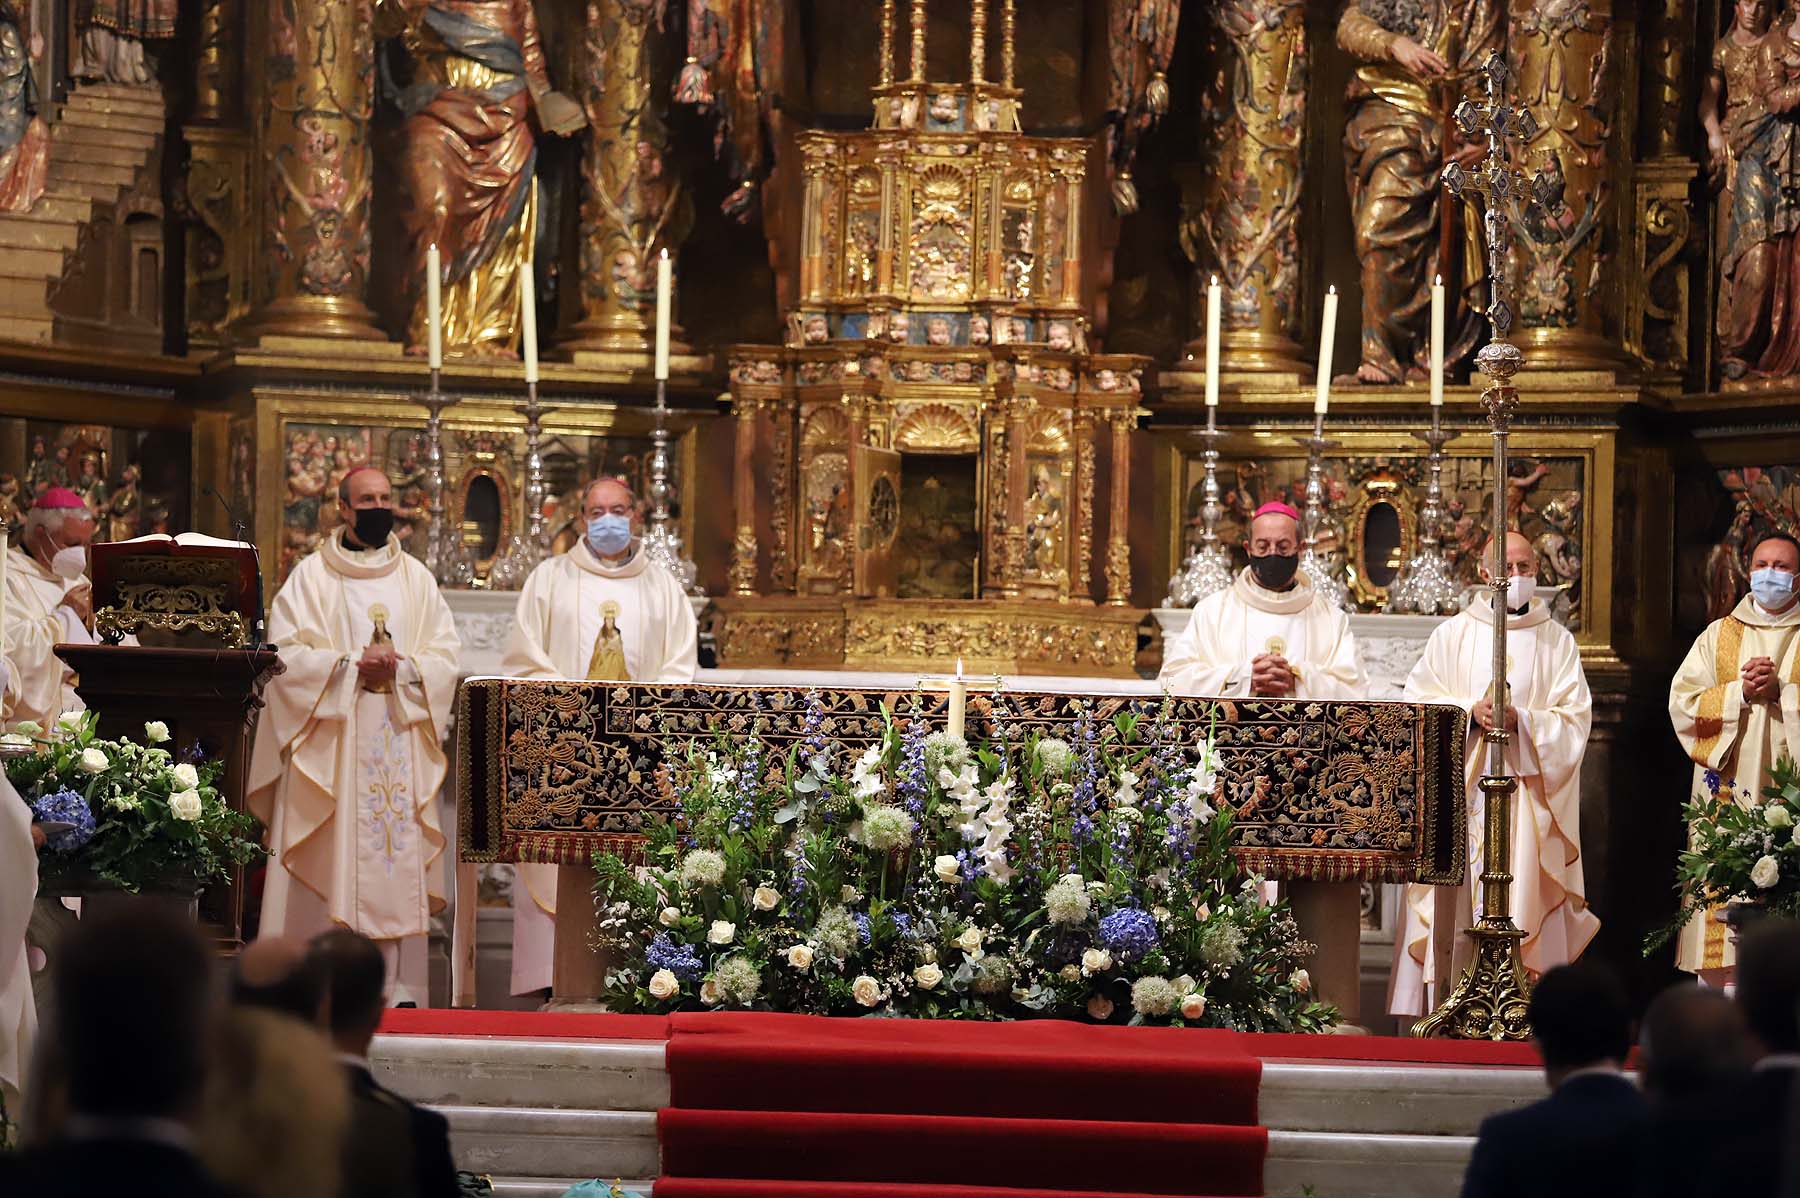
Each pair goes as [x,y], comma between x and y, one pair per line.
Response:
[736,59]
[1417,56]
[24,138]
[113,33]
[1750,109]
[469,166]
[1044,525]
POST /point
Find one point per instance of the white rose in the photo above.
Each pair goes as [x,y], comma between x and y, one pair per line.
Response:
[1777,816]
[1185,984]
[1301,981]
[866,990]
[800,956]
[669,916]
[1193,1006]
[1070,973]
[1100,1007]
[947,869]
[156,732]
[766,898]
[186,775]
[1096,960]
[723,931]
[709,992]
[68,721]
[970,940]
[928,976]
[1765,873]
[185,804]
[93,761]
[663,984]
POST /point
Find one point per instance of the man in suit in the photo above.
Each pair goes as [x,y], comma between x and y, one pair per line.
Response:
[133,1012]
[1580,1140]
[280,973]
[1694,1044]
[395,1149]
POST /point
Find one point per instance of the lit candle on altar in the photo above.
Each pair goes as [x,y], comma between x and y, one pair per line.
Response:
[434,305]
[665,287]
[1437,342]
[1212,342]
[528,319]
[1326,333]
[959,698]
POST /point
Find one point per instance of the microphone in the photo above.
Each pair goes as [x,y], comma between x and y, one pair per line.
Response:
[240,530]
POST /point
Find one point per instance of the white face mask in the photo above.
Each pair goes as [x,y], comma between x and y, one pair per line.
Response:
[1519,590]
[69,563]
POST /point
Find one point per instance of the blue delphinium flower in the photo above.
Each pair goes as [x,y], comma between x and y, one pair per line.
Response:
[1085,800]
[1129,931]
[862,926]
[813,731]
[911,788]
[902,922]
[748,775]
[678,959]
[797,878]
[1711,778]
[66,807]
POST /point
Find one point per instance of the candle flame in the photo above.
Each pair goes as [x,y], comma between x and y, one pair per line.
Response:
[1215,281]
[959,672]
[665,251]
[1331,290]
[1437,280]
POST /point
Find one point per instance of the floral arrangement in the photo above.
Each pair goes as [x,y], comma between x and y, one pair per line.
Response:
[1088,877]
[1743,847]
[139,819]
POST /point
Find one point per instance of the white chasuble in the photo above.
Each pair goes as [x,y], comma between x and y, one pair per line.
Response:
[1736,738]
[41,686]
[347,779]
[1212,655]
[18,890]
[555,627]
[1555,711]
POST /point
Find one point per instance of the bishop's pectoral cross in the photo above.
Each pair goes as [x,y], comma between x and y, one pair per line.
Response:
[607,663]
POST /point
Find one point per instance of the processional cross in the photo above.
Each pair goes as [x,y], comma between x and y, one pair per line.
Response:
[1491,1000]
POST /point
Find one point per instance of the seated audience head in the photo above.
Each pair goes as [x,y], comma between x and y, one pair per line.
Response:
[279,973]
[1579,1018]
[1694,1040]
[133,1013]
[356,984]
[1768,984]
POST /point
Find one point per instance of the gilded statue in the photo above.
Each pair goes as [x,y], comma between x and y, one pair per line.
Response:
[736,62]
[470,159]
[24,139]
[1416,56]
[1044,522]
[1749,111]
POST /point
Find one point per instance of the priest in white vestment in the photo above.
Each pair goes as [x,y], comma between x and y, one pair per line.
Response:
[1735,705]
[349,751]
[48,602]
[555,630]
[19,843]
[1549,718]
[1269,634]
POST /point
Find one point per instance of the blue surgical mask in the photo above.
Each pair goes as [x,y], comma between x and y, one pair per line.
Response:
[1772,588]
[610,535]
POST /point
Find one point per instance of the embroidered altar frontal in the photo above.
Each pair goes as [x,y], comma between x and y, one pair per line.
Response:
[552,772]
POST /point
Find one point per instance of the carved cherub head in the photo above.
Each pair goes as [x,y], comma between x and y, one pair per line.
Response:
[937,331]
[943,107]
[979,332]
[899,324]
[816,330]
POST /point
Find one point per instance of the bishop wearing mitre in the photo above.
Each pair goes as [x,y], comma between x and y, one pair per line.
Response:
[349,751]
[1547,719]
[1735,704]
[48,602]
[601,610]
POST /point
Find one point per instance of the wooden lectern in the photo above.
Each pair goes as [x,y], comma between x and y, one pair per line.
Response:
[193,606]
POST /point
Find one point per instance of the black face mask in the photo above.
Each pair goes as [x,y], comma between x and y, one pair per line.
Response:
[1275,570]
[373,524]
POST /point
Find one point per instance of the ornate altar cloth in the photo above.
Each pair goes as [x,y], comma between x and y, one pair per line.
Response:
[552,772]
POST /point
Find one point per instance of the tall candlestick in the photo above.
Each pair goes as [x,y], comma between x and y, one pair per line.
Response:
[664,289]
[1437,342]
[528,319]
[1326,334]
[434,305]
[959,697]
[1212,342]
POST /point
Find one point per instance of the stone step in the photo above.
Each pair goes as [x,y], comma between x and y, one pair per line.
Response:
[613,1075]
[86,100]
[96,118]
[57,206]
[16,232]
[27,329]
[95,135]
[17,262]
[1387,1099]
[21,297]
[146,93]
[71,149]
[1302,1163]
[527,1142]
[92,174]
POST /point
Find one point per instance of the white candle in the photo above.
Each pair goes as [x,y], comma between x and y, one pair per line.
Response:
[528,319]
[434,305]
[1326,333]
[1437,342]
[959,698]
[1212,342]
[664,292]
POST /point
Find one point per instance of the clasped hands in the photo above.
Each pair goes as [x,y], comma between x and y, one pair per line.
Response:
[1761,684]
[377,667]
[1482,715]
[1271,676]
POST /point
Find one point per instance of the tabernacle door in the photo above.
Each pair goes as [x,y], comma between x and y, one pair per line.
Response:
[876,475]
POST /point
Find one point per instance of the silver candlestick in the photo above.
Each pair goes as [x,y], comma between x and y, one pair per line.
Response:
[445,555]
[530,547]
[1318,571]
[1426,585]
[662,540]
[1207,569]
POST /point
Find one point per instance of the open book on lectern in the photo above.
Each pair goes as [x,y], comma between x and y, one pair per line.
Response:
[185,591]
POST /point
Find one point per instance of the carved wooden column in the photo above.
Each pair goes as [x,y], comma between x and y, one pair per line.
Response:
[219,77]
[1657,295]
[743,492]
[1241,205]
[1018,482]
[1563,63]
[315,173]
[217,197]
[1118,544]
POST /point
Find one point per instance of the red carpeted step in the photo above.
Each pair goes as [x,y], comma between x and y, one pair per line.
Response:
[529,1025]
[1079,1155]
[741,1187]
[1045,1069]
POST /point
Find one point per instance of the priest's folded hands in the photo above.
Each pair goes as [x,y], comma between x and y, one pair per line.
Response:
[1482,715]
[1761,683]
